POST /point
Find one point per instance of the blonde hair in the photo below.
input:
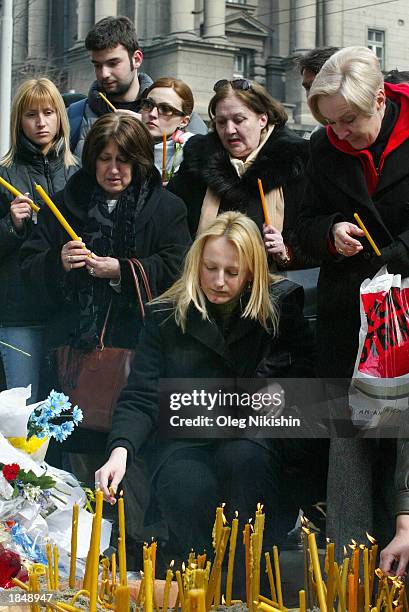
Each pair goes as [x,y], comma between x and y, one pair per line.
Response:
[244,234]
[31,93]
[353,73]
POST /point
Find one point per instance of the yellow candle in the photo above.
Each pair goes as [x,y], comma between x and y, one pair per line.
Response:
[263,201]
[17,193]
[181,593]
[230,566]
[366,579]
[122,541]
[93,595]
[168,584]
[50,582]
[278,576]
[147,570]
[56,574]
[122,599]
[57,213]
[270,576]
[164,157]
[246,542]
[153,547]
[303,604]
[113,571]
[267,608]
[367,234]
[197,600]
[217,567]
[20,584]
[34,587]
[107,102]
[317,572]
[74,535]
[86,583]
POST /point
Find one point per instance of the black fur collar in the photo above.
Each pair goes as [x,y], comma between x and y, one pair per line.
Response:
[281,161]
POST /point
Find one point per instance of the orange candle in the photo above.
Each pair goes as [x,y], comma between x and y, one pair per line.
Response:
[263,201]
[352,595]
[164,157]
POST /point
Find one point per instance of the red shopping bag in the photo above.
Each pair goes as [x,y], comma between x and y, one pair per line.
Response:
[380,384]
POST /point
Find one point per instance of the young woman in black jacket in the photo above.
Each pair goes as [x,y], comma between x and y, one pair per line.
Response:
[39,153]
[226,318]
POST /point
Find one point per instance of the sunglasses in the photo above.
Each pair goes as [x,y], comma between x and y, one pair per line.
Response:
[240,84]
[147,104]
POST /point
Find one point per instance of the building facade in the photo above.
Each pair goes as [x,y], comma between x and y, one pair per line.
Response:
[202,41]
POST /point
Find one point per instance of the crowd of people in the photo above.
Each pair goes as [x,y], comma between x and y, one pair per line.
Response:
[182,264]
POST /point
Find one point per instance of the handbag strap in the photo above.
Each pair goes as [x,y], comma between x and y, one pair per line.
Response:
[132,263]
[144,277]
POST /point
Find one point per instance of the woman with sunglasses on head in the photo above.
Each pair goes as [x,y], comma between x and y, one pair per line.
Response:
[166,109]
[250,141]
[39,153]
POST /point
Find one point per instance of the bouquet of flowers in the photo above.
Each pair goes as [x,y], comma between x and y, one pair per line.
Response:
[16,482]
[54,418]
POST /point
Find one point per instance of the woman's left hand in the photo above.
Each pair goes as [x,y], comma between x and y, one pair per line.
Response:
[104,267]
[273,242]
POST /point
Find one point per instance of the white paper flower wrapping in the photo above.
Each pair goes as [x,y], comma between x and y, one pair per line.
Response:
[14,413]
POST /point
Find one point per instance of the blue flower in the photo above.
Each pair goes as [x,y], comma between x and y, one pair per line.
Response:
[77,415]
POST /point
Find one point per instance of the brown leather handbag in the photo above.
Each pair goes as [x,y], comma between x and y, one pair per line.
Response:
[94,379]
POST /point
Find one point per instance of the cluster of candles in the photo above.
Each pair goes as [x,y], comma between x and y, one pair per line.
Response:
[199,581]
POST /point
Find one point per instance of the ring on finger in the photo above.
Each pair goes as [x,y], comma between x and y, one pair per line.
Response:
[340,251]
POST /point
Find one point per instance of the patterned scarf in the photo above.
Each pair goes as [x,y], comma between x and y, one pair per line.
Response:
[107,235]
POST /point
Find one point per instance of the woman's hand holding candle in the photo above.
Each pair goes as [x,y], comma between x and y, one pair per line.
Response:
[111,474]
[74,255]
[343,234]
[274,243]
[20,210]
[104,267]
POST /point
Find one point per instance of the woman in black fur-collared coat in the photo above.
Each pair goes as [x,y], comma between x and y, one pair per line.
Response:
[220,170]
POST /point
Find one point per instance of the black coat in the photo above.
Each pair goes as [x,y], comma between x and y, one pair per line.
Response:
[162,237]
[17,306]
[247,351]
[280,163]
[336,190]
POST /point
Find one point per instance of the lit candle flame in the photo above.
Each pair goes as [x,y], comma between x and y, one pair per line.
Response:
[370,538]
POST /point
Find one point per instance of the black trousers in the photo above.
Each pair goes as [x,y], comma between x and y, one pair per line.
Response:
[194,480]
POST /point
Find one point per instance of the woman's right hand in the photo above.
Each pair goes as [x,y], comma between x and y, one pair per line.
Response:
[74,255]
[344,242]
[108,477]
[20,210]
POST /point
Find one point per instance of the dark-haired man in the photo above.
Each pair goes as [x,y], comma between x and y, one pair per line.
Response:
[116,56]
[311,63]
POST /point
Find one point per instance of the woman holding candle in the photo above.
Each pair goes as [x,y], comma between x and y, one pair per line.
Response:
[358,165]
[165,110]
[225,318]
[118,207]
[39,153]
[250,141]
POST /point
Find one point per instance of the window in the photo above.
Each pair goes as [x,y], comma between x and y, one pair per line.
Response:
[376,42]
[241,65]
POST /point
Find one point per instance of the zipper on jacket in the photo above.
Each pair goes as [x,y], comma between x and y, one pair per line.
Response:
[47,176]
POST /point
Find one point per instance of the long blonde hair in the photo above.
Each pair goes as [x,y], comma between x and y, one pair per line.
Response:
[32,93]
[244,234]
